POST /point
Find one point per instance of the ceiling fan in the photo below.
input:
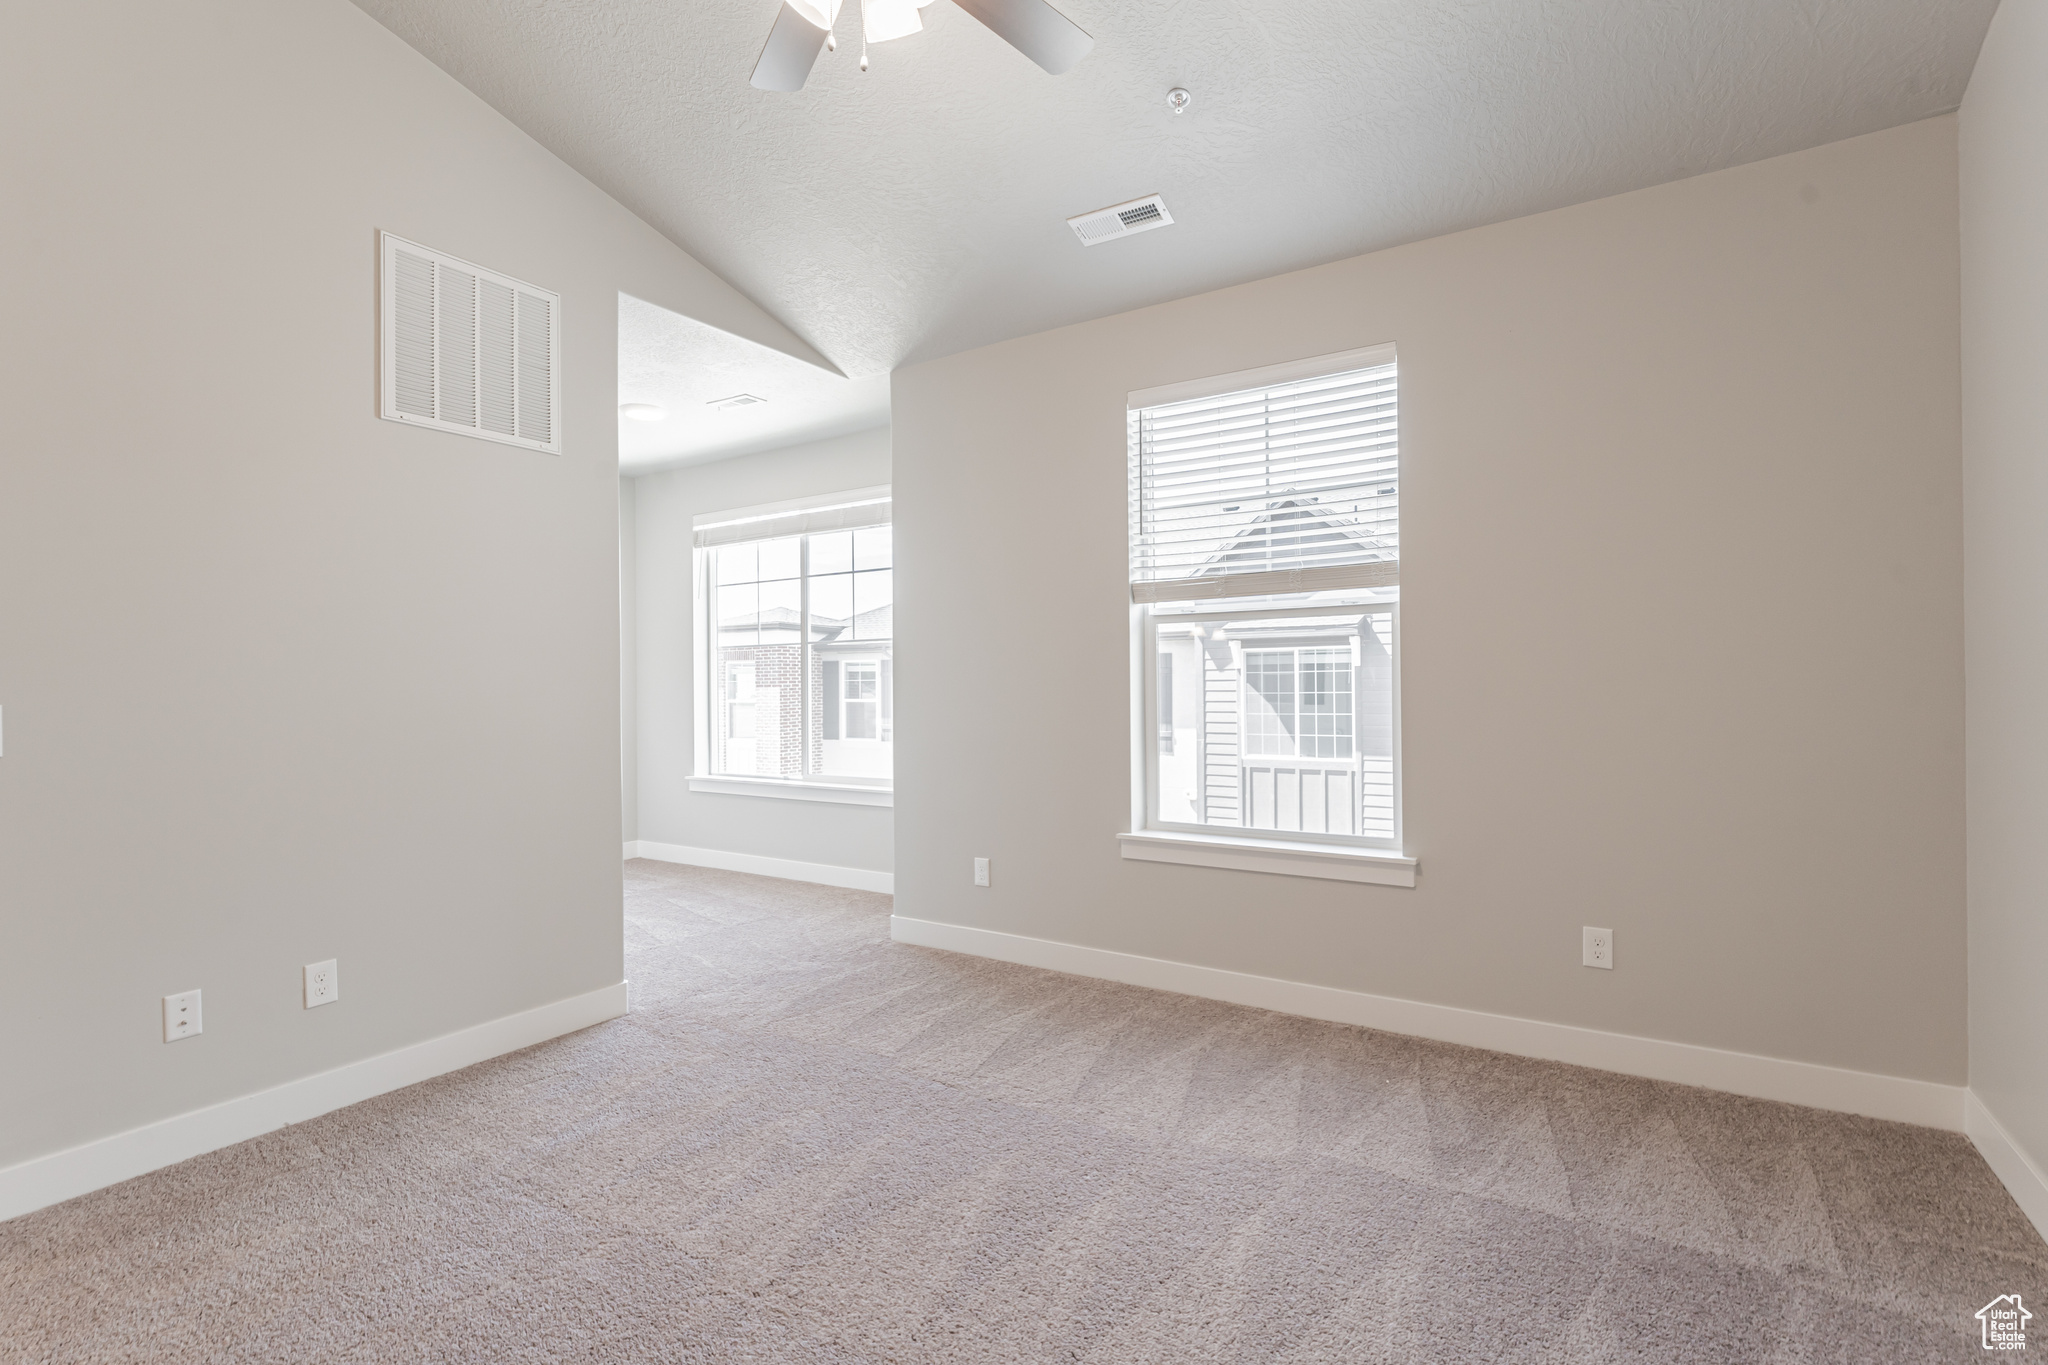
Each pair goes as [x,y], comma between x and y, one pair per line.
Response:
[803,28]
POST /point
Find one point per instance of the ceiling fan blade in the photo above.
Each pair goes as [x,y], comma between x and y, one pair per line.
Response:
[792,49]
[1035,29]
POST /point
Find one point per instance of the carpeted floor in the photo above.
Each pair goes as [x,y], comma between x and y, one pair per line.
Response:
[808,1144]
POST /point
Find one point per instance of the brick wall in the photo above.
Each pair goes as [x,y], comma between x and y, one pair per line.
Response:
[777,667]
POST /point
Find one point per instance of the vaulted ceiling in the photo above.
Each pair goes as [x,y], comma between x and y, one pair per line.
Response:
[918,209]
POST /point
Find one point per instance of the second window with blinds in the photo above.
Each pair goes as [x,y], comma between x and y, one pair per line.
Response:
[795,604]
[1265,574]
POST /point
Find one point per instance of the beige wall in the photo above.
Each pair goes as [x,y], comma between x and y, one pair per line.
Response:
[283,681]
[1682,551]
[669,812]
[2004,139]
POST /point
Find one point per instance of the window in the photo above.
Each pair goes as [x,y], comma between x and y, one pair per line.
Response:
[739,701]
[1298,702]
[795,607]
[1265,582]
[863,699]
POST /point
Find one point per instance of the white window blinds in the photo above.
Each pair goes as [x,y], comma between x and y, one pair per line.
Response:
[772,521]
[1286,483]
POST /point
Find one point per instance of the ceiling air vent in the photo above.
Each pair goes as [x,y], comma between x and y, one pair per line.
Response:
[468,350]
[1120,220]
[738,400]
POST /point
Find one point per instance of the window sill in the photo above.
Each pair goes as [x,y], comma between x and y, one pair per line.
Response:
[1382,867]
[785,790]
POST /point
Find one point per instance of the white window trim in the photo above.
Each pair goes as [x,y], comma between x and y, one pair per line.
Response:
[793,789]
[1152,839]
[704,694]
[1331,862]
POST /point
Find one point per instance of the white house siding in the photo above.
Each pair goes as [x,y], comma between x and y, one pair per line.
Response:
[1221,799]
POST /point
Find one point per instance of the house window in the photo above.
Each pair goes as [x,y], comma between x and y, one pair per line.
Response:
[1265,581]
[795,617]
[739,701]
[863,698]
[1298,703]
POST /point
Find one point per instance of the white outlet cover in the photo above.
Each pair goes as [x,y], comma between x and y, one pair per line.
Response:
[1596,948]
[323,983]
[181,1016]
[981,872]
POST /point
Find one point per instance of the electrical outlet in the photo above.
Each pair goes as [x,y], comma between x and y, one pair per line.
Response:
[1596,948]
[323,983]
[181,1016]
[981,872]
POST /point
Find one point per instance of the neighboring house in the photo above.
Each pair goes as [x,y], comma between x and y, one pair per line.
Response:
[1295,532]
[1287,724]
[855,677]
[760,726]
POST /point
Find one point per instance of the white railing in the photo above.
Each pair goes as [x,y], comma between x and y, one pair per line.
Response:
[1319,795]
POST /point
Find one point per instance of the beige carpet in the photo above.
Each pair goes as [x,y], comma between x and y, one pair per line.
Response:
[808,1144]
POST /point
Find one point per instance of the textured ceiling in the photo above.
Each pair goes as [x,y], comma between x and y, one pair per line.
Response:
[919,209]
[683,366]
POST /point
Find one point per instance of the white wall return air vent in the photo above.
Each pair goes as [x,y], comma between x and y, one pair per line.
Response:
[1120,220]
[468,350]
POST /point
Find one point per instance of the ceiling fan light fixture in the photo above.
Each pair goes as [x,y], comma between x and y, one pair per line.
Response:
[803,29]
[884,20]
[794,43]
[1035,29]
[823,13]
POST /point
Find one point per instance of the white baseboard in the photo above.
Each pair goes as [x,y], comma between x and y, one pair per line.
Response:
[45,1180]
[2009,1161]
[1771,1078]
[789,869]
